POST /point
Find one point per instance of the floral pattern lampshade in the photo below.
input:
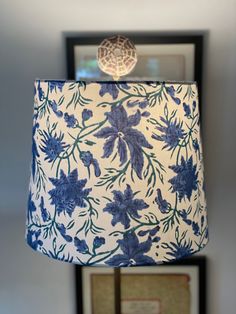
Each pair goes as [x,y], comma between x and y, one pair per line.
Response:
[117,172]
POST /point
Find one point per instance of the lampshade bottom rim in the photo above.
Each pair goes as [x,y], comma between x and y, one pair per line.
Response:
[161,262]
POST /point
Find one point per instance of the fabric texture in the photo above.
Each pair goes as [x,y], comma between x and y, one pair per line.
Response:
[117,172]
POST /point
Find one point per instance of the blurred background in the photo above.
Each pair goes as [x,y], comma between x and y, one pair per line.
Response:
[32,46]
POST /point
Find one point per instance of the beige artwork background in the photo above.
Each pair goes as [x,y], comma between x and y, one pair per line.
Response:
[172,290]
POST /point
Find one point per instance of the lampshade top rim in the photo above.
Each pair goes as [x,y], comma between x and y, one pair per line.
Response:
[119,81]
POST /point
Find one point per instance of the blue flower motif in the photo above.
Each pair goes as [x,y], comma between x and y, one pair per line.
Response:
[187,110]
[124,207]
[69,192]
[98,242]
[172,133]
[88,160]
[81,246]
[86,114]
[44,213]
[35,152]
[53,85]
[31,206]
[70,120]
[133,252]
[54,107]
[112,89]
[62,229]
[122,131]
[171,91]
[186,179]
[179,250]
[53,146]
[32,239]
[162,204]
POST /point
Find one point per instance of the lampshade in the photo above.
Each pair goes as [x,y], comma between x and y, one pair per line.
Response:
[117,172]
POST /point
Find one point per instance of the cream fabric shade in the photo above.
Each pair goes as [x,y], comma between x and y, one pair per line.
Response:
[117,172]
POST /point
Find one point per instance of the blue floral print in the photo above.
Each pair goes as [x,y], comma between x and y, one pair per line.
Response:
[70,120]
[124,207]
[88,160]
[180,248]
[133,252]
[54,107]
[196,228]
[53,85]
[69,192]
[86,114]
[112,89]
[98,242]
[185,182]
[151,232]
[196,145]
[33,239]
[183,213]
[52,146]
[44,213]
[141,104]
[31,206]
[81,245]
[62,229]
[187,109]
[171,91]
[117,173]
[122,130]
[172,133]
[162,204]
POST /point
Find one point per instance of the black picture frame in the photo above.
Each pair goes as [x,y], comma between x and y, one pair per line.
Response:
[199,261]
[94,38]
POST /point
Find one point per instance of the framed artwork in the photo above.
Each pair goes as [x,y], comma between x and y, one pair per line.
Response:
[178,287]
[161,56]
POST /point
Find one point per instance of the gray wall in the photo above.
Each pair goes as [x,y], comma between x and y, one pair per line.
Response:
[31,45]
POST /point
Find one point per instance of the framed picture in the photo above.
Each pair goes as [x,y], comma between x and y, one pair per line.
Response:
[161,56]
[178,287]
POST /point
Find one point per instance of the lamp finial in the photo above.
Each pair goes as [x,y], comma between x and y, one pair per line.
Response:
[116,56]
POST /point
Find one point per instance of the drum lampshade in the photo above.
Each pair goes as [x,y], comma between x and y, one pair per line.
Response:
[117,175]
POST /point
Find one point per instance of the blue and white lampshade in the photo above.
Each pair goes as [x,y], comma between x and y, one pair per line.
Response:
[117,172]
